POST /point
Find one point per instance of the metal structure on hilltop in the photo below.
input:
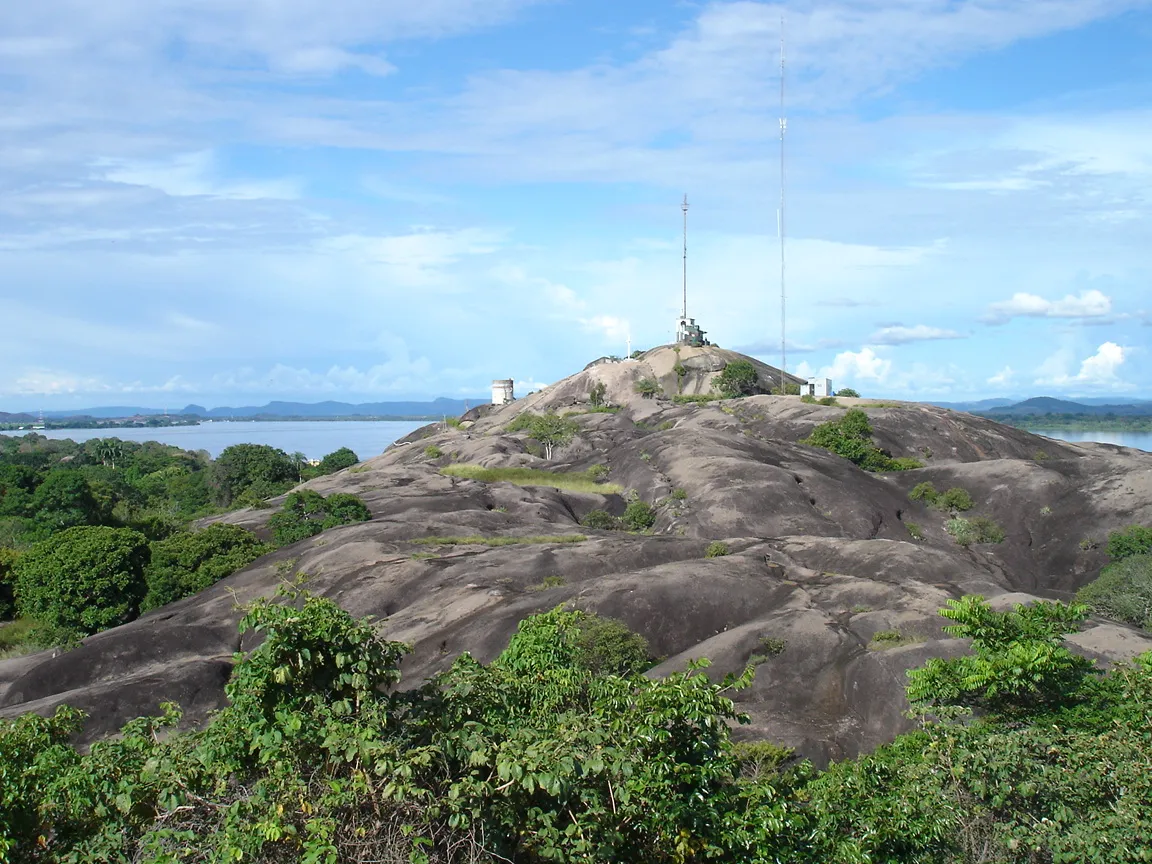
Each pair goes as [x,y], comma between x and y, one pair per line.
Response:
[688,332]
[783,294]
[684,207]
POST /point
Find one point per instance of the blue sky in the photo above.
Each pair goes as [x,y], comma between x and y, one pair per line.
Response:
[223,202]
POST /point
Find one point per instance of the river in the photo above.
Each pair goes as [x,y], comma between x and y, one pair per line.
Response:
[316,438]
[313,438]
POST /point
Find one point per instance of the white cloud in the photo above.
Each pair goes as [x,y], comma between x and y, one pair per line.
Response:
[1089,304]
[418,258]
[853,366]
[898,334]
[1098,371]
[192,174]
[51,382]
[1003,378]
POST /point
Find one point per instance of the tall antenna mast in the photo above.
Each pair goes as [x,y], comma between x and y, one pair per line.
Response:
[684,207]
[783,295]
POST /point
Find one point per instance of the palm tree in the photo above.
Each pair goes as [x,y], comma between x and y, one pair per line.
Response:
[299,460]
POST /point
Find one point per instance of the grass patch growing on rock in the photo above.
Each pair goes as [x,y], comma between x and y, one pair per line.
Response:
[716,549]
[1123,592]
[976,529]
[18,637]
[572,481]
[882,640]
[477,540]
[851,438]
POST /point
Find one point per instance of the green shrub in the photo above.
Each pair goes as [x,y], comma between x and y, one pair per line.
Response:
[254,471]
[696,398]
[789,390]
[679,494]
[548,582]
[914,531]
[338,460]
[83,580]
[647,387]
[738,378]
[432,452]
[597,473]
[975,529]
[847,393]
[639,516]
[829,401]
[885,639]
[8,559]
[851,438]
[808,399]
[666,425]
[600,519]
[453,422]
[716,549]
[925,491]
[760,759]
[1133,540]
[307,513]
[188,562]
[904,463]
[955,500]
[606,646]
[1122,592]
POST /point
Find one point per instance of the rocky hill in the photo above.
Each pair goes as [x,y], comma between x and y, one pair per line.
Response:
[822,555]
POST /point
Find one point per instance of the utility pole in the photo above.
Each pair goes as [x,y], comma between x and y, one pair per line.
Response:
[684,207]
[783,295]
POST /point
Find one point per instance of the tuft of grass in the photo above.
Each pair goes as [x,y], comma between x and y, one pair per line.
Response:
[1089,543]
[914,531]
[884,639]
[433,452]
[860,609]
[548,582]
[499,541]
[977,529]
[598,472]
[1040,456]
[716,549]
[679,494]
[286,566]
[1045,510]
[571,481]
[697,399]
[358,469]
[830,401]
[666,425]
[454,422]
[646,456]
[18,637]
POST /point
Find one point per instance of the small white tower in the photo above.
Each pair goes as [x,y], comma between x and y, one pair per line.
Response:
[502,391]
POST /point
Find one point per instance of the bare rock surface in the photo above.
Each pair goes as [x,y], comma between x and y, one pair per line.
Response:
[820,553]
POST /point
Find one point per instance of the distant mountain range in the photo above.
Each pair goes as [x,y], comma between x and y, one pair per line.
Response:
[1050,405]
[319,410]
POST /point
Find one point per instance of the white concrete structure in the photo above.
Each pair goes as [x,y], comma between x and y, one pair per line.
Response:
[502,392]
[819,387]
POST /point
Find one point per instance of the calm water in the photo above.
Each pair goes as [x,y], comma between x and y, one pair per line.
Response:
[314,438]
[1139,440]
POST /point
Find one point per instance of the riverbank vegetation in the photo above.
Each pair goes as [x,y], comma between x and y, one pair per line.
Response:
[560,749]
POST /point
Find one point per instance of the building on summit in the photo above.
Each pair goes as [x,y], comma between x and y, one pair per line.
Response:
[503,391]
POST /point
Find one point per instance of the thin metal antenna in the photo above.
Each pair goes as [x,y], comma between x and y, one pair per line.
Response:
[684,207]
[783,294]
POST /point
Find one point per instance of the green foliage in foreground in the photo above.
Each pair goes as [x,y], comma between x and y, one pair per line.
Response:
[188,562]
[639,516]
[82,580]
[1123,592]
[539,756]
[572,481]
[337,460]
[1133,540]
[738,378]
[307,513]
[851,438]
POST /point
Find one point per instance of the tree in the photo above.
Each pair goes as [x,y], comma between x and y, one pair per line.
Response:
[307,513]
[187,563]
[338,460]
[596,394]
[299,464]
[257,469]
[64,500]
[847,393]
[108,450]
[8,558]
[552,431]
[647,387]
[83,580]
[738,378]
[1018,662]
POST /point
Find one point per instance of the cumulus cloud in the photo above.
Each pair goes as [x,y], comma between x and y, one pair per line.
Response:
[862,365]
[1097,371]
[898,334]
[1003,378]
[1089,304]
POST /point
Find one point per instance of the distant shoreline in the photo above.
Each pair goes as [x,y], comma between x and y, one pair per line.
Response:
[164,423]
[1074,422]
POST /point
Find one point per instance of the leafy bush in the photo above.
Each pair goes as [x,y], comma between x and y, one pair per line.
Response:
[648,387]
[83,580]
[433,452]
[338,460]
[829,401]
[904,463]
[790,389]
[596,394]
[551,431]
[1133,540]
[8,559]
[847,393]
[679,494]
[598,472]
[600,519]
[977,529]
[187,563]
[639,516]
[884,639]
[914,531]
[606,646]
[1122,592]
[696,398]
[254,470]
[1018,664]
[716,549]
[808,399]
[738,378]
[925,491]
[955,500]
[851,438]
[307,513]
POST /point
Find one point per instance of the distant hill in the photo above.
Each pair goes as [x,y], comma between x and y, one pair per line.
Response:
[5,417]
[319,410]
[981,405]
[1050,405]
